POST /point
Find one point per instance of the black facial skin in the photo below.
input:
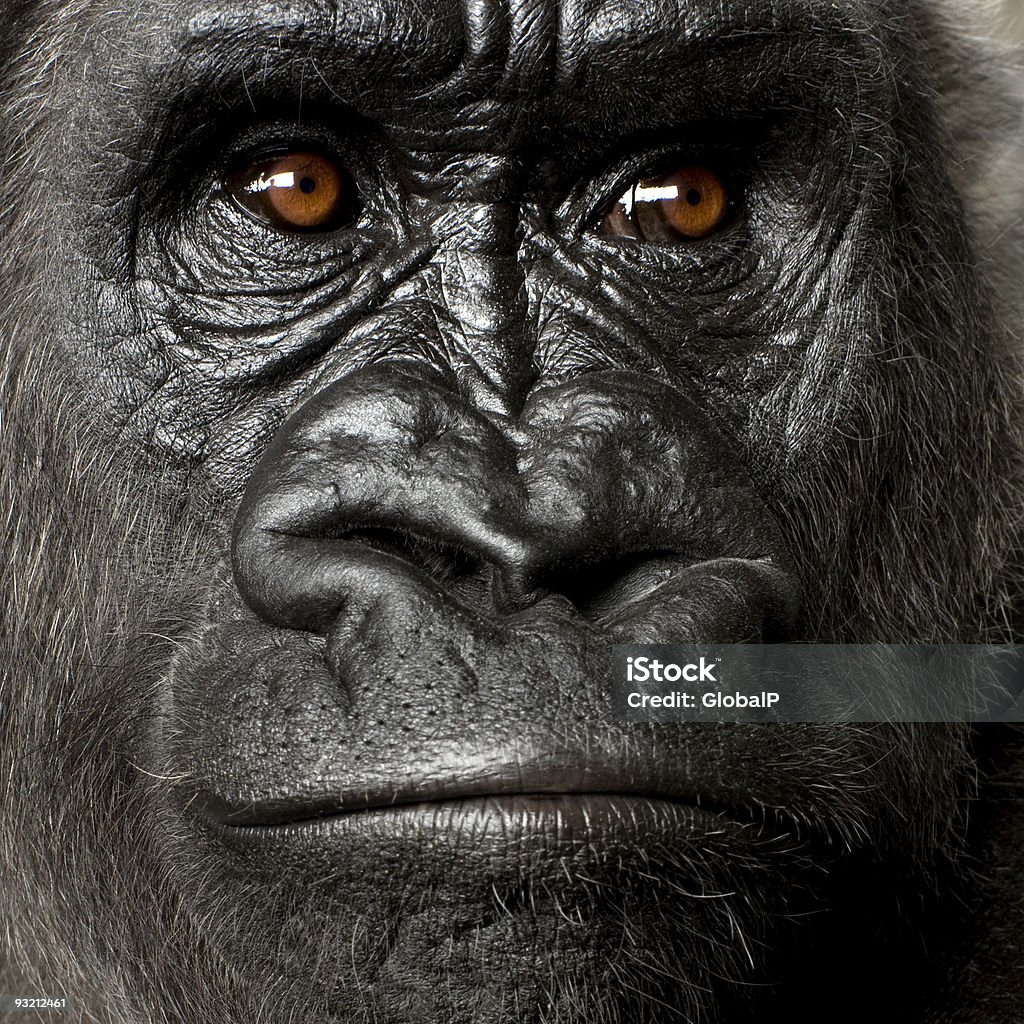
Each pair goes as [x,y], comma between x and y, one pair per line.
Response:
[317,541]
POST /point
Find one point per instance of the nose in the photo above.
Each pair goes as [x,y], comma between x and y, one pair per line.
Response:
[602,491]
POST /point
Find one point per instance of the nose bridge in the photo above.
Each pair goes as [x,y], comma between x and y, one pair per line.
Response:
[482,295]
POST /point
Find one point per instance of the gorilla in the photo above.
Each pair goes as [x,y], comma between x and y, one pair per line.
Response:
[369,369]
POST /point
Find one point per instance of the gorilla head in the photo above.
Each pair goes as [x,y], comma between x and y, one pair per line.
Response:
[369,368]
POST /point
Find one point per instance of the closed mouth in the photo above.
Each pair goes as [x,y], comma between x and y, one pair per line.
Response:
[555,821]
[536,783]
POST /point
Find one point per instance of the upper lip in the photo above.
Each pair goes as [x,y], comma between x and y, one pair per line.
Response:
[530,778]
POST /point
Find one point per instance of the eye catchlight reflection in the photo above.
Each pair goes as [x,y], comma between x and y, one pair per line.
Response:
[685,205]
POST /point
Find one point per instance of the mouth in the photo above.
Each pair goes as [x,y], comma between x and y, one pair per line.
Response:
[565,801]
[549,825]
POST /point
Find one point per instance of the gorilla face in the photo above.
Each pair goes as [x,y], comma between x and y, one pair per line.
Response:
[373,367]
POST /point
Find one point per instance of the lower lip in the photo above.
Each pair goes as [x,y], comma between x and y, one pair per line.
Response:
[548,819]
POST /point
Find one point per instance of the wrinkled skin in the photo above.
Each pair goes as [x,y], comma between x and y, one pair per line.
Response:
[318,542]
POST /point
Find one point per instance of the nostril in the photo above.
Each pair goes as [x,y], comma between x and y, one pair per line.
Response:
[449,563]
[596,587]
[303,578]
[657,595]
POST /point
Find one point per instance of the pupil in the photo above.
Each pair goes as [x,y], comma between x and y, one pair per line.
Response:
[307,185]
[693,197]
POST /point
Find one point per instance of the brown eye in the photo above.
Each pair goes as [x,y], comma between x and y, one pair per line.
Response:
[684,205]
[295,191]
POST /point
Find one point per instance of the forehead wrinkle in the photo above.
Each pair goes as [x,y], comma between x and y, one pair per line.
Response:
[368,43]
[282,20]
[623,64]
[507,59]
[661,30]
